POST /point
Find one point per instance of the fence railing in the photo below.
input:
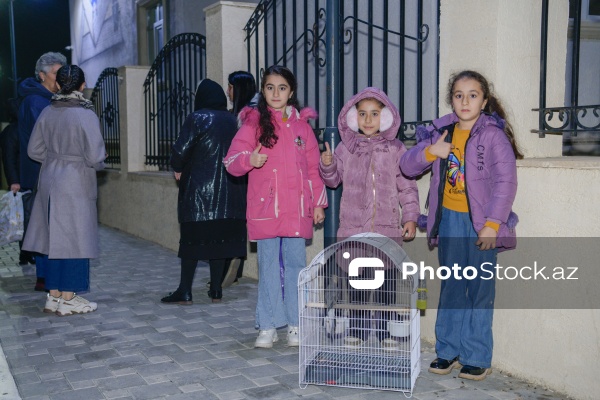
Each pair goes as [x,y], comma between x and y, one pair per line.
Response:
[578,124]
[105,97]
[381,44]
[169,91]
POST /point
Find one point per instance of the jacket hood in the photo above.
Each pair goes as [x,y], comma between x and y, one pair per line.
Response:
[31,86]
[348,118]
[250,115]
[210,95]
[485,119]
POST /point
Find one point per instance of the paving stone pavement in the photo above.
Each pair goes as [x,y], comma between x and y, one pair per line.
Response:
[134,347]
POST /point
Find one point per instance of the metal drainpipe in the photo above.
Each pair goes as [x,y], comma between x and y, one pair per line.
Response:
[331,135]
[13,49]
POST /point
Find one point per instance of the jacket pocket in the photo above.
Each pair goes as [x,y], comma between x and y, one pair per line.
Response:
[263,205]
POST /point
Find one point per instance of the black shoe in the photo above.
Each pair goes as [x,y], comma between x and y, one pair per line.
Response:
[215,295]
[442,366]
[40,285]
[474,373]
[25,259]
[177,297]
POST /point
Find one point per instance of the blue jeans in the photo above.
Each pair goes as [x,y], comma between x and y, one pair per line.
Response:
[273,310]
[464,320]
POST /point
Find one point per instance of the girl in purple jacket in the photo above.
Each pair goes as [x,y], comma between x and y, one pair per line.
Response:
[367,161]
[471,153]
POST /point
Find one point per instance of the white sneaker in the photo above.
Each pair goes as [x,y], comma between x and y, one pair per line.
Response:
[51,304]
[266,338]
[293,339]
[77,305]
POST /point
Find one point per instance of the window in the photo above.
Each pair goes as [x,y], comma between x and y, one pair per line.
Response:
[154,28]
[590,10]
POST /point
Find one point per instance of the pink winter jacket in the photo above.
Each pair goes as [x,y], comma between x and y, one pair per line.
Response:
[374,188]
[282,193]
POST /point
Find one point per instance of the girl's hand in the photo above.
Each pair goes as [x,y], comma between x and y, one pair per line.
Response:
[487,238]
[326,156]
[409,230]
[441,149]
[257,160]
[177,175]
[318,215]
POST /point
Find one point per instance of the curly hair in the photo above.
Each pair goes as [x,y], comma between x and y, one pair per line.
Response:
[70,78]
[46,61]
[493,103]
[266,127]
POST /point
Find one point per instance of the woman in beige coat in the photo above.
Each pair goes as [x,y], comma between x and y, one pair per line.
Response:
[63,227]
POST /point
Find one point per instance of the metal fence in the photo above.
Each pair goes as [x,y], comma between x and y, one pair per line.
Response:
[578,124]
[336,48]
[105,97]
[380,43]
[169,91]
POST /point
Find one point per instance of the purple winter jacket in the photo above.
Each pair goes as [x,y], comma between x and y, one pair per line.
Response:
[490,175]
[369,168]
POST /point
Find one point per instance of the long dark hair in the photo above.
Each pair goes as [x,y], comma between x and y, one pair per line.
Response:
[266,128]
[70,78]
[493,103]
[244,89]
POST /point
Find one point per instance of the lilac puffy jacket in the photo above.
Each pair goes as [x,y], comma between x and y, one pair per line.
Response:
[374,188]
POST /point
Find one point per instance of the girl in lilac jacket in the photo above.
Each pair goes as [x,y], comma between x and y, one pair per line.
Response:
[278,150]
[471,153]
[368,163]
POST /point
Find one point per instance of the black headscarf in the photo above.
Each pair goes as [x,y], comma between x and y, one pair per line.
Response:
[210,95]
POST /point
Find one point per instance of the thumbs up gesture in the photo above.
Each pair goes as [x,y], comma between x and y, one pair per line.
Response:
[441,148]
[326,156]
[257,160]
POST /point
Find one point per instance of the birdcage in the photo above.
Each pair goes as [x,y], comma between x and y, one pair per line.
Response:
[359,325]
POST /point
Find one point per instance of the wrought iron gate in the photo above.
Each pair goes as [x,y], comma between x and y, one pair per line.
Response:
[380,43]
[169,93]
[336,48]
[578,124]
[105,97]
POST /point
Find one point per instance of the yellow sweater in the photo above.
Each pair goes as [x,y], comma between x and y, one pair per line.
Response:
[455,197]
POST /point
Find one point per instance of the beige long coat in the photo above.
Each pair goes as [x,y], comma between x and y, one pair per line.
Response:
[67,141]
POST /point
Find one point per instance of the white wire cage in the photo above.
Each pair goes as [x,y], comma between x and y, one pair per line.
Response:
[366,338]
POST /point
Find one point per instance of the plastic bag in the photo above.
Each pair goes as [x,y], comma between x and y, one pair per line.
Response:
[11,218]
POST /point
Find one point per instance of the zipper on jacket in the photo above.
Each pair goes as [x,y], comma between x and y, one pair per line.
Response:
[443,169]
[374,195]
[465,180]
[301,193]
[276,194]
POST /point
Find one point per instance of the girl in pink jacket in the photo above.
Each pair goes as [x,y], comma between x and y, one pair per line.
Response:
[278,150]
[368,163]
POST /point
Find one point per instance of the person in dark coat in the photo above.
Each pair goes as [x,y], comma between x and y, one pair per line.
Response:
[241,91]
[63,228]
[211,206]
[9,140]
[35,93]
